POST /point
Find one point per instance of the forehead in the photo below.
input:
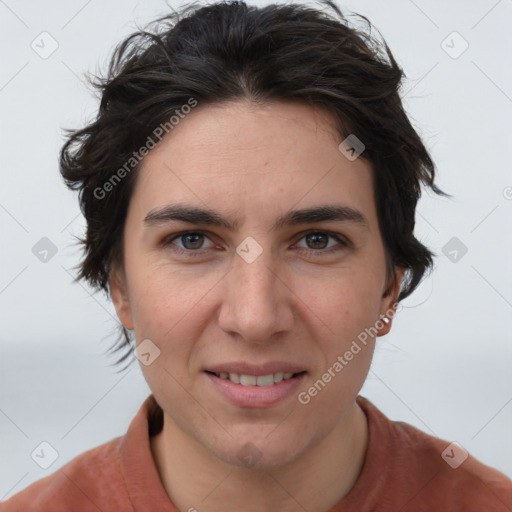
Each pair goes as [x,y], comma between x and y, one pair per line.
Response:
[249,158]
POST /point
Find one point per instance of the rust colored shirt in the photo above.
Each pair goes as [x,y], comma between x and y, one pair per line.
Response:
[404,470]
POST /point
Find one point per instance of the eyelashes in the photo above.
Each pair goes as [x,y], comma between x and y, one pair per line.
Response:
[197,237]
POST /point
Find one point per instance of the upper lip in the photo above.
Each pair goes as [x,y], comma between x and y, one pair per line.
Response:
[243,368]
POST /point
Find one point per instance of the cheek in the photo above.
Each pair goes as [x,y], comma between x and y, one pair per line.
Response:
[345,302]
[348,308]
[172,309]
[163,298]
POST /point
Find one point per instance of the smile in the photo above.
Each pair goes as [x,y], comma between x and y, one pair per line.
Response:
[255,391]
[256,380]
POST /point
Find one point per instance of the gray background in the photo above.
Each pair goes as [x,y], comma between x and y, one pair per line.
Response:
[445,367]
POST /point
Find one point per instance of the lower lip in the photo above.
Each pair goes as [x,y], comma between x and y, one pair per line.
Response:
[256,396]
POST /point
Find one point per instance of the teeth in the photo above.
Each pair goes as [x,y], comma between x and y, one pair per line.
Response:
[253,380]
[248,380]
[265,380]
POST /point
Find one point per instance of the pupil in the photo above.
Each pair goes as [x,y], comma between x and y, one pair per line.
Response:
[195,245]
[316,237]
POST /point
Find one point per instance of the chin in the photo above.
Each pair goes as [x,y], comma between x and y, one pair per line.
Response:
[252,457]
[252,453]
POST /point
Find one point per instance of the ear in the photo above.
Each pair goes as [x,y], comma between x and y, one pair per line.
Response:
[120,298]
[389,302]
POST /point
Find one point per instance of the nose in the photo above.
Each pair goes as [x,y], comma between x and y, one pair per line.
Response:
[257,300]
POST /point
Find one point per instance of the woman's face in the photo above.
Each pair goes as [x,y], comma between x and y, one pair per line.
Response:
[260,286]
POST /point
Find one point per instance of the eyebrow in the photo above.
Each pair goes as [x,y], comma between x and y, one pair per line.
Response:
[195,215]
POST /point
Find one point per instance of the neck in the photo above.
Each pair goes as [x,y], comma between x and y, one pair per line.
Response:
[315,481]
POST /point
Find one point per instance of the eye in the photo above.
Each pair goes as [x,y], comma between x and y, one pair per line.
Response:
[191,241]
[318,241]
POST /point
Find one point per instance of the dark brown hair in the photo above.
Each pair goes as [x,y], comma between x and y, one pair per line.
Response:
[227,51]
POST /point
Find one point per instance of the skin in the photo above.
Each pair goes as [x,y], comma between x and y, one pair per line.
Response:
[299,301]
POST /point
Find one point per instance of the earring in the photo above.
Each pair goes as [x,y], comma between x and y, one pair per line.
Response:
[386,320]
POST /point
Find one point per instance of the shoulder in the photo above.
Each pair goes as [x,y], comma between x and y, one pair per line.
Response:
[455,477]
[90,479]
[424,472]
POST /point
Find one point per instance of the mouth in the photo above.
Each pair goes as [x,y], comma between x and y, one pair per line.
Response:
[268,380]
[249,386]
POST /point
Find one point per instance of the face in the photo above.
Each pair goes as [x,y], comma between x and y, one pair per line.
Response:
[277,278]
